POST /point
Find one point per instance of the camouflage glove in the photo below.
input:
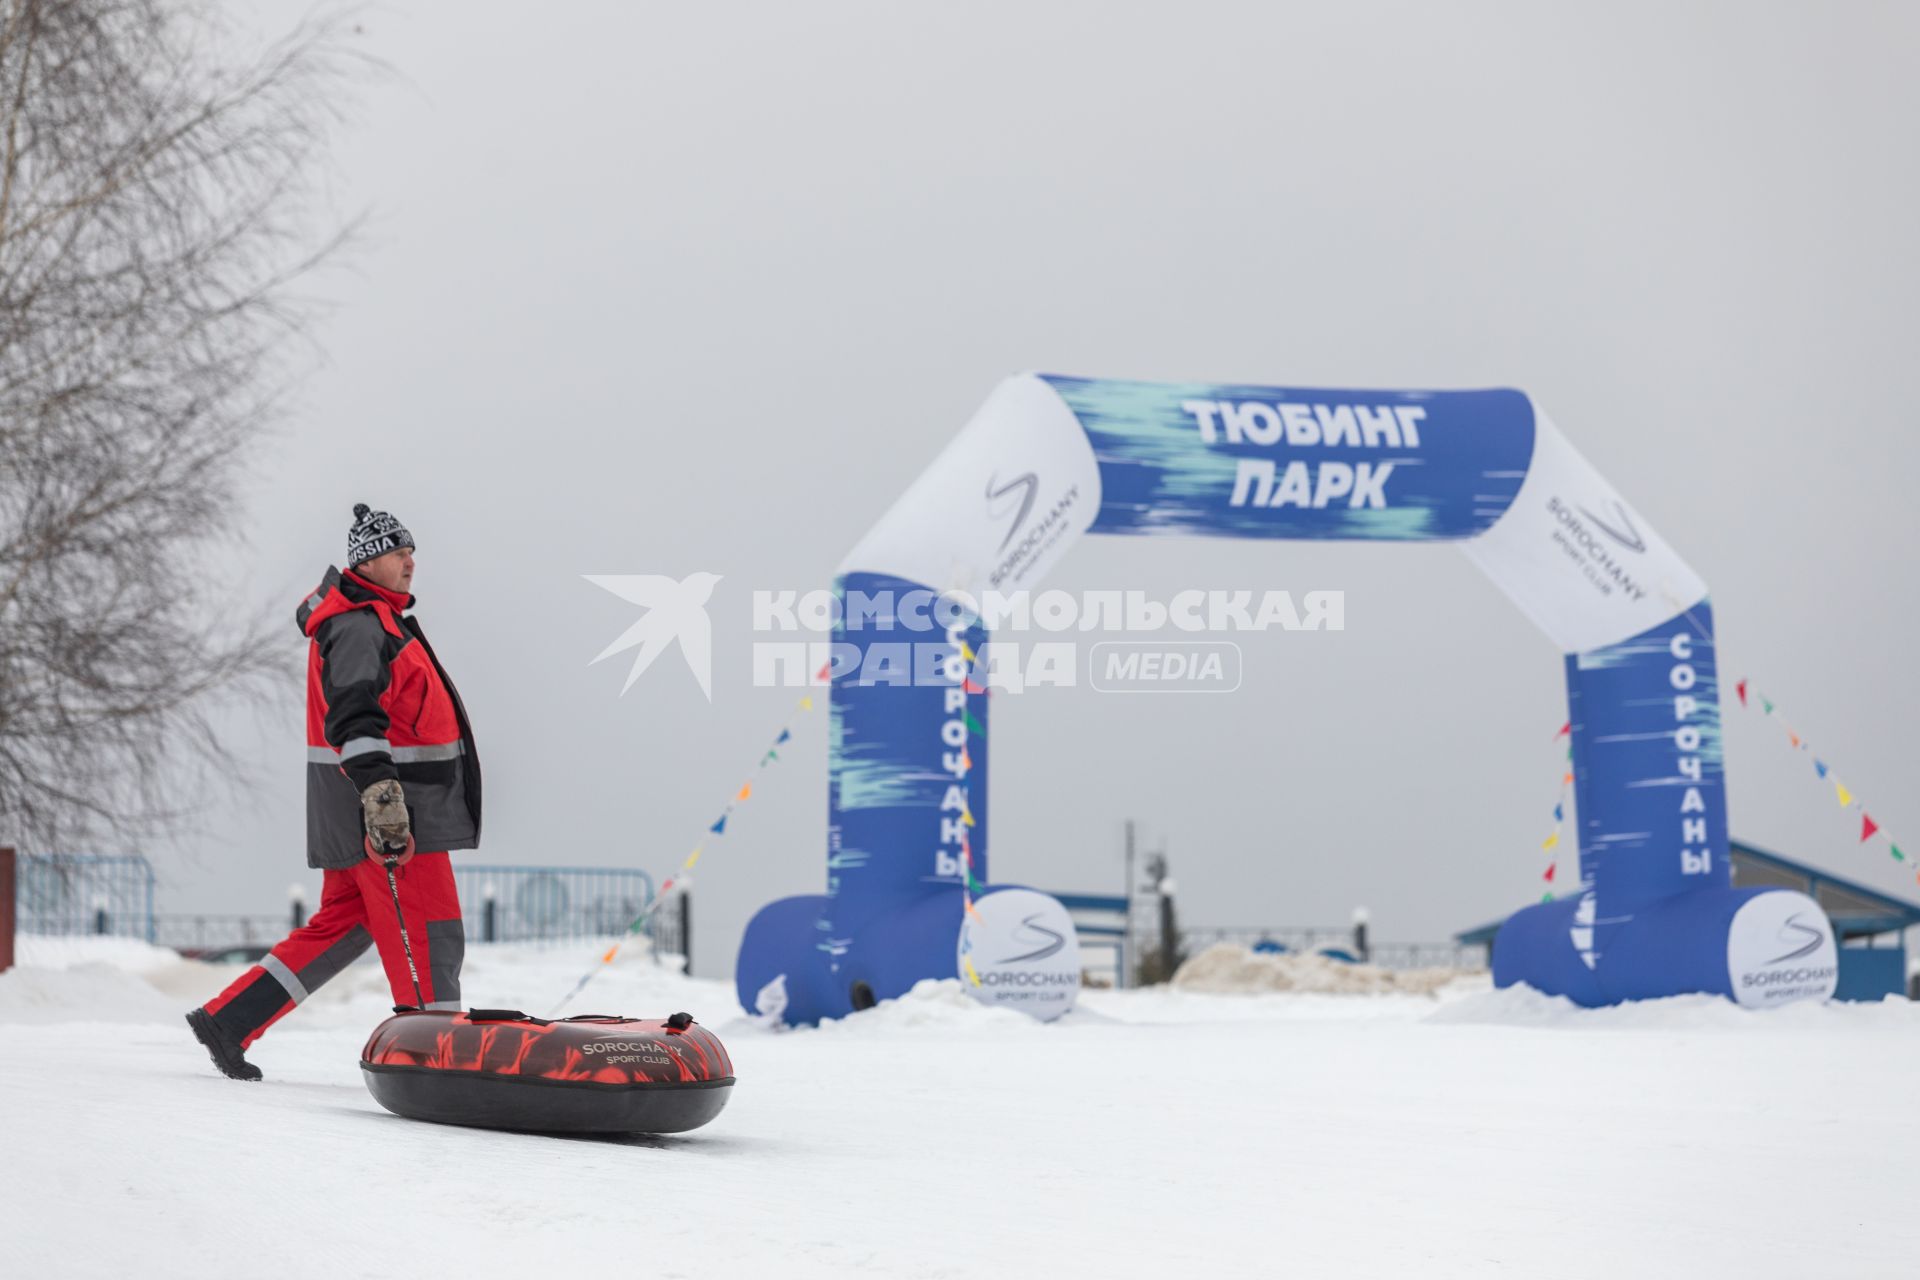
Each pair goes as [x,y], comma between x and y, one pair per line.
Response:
[389,831]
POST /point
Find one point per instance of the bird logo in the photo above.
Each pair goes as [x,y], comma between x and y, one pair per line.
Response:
[674,611]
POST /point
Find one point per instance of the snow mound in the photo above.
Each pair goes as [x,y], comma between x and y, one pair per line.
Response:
[82,993]
[933,1005]
[91,979]
[1521,1006]
[1229,969]
[46,951]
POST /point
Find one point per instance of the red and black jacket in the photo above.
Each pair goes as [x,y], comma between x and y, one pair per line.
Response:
[379,705]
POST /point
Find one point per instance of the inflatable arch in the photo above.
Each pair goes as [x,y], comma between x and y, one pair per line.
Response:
[1050,458]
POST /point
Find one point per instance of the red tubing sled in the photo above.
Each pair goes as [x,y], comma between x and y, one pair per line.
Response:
[503,1069]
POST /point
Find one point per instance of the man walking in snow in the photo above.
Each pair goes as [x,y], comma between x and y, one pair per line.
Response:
[391,773]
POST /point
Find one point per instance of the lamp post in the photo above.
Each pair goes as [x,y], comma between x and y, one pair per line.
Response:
[1164,887]
[8,873]
[297,899]
[685,889]
[488,897]
[1360,918]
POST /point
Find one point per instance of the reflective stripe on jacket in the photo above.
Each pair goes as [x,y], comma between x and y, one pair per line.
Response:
[380,705]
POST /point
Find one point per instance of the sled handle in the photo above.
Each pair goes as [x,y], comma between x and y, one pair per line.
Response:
[505,1015]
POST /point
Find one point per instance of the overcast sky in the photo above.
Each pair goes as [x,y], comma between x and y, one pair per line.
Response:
[657,288]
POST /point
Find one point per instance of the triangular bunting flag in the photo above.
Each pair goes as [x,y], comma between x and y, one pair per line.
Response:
[1820,767]
[784,735]
[1897,855]
[746,789]
[720,826]
[1549,876]
[1565,729]
[806,703]
[1556,814]
[820,676]
[608,958]
[1867,828]
[1766,704]
[966,760]
[1550,841]
[975,726]
[1567,781]
[1741,689]
[971,975]
[965,652]
[1794,738]
[1547,896]
[966,817]
[693,857]
[971,686]
[1840,790]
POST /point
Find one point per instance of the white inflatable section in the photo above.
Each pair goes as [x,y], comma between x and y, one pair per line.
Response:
[951,529]
[1023,949]
[1582,564]
[1780,949]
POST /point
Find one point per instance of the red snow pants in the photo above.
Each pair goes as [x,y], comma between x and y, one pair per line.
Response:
[356,910]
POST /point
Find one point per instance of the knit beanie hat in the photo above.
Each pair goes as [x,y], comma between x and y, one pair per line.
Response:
[374,533]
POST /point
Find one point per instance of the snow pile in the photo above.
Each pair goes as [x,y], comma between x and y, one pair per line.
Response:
[89,979]
[44,951]
[934,1004]
[1520,1006]
[80,993]
[1228,969]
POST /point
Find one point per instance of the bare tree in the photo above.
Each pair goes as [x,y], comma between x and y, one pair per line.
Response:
[156,204]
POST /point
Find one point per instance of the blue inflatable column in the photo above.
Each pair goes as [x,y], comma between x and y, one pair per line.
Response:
[907,767]
[907,788]
[1657,912]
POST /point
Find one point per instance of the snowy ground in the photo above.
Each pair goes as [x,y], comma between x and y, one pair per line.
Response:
[1476,1133]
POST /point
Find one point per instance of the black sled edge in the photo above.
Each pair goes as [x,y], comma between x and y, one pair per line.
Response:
[537,1105]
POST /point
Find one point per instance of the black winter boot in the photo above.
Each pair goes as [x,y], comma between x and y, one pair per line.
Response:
[224,1049]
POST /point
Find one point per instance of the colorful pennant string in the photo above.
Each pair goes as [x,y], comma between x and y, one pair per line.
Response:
[678,878]
[1868,827]
[970,884]
[1552,841]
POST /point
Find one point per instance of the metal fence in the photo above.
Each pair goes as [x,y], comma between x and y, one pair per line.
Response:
[78,893]
[522,904]
[1389,955]
[189,932]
